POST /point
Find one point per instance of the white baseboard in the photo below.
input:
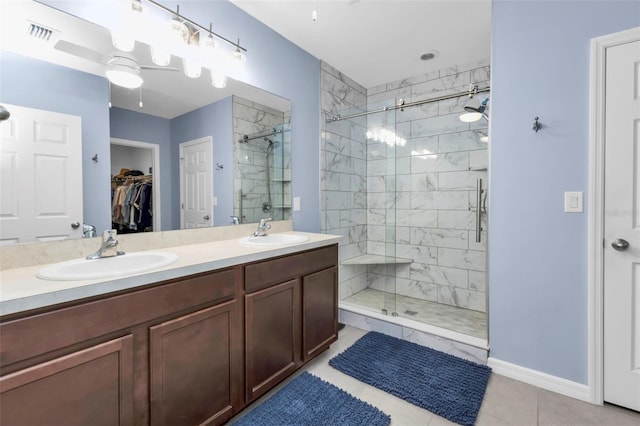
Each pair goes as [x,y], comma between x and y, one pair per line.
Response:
[541,380]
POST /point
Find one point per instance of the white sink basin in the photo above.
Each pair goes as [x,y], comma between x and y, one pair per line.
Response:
[126,264]
[274,240]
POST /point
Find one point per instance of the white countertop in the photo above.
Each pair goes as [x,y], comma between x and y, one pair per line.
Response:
[21,290]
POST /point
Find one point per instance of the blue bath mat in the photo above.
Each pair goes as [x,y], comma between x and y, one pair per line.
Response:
[449,386]
[308,400]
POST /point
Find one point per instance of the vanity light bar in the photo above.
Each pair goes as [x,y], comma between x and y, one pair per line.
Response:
[195,24]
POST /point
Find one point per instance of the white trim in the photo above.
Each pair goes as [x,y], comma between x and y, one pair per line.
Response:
[155,188]
[541,380]
[181,147]
[599,46]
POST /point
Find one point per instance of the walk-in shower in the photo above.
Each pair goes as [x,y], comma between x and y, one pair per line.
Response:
[264,188]
[402,181]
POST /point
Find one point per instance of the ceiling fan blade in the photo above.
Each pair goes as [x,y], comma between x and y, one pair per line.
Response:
[158,68]
[81,52]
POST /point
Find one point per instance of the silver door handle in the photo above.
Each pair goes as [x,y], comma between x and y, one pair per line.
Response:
[620,244]
[75,225]
[206,217]
[479,211]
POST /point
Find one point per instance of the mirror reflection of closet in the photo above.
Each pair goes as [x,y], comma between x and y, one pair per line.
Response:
[134,192]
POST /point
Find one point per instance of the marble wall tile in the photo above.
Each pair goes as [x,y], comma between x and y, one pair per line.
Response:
[424,182]
[364,322]
[438,125]
[423,145]
[417,289]
[448,346]
[447,162]
[456,219]
[445,276]
[467,259]
[461,141]
[388,98]
[435,200]
[462,298]
[478,158]
[419,254]
[478,281]
[465,180]
[417,217]
[403,235]
[438,237]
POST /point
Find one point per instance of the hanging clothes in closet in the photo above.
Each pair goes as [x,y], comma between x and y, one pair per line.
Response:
[131,203]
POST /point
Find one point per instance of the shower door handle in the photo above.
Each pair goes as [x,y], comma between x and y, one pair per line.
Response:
[479,211]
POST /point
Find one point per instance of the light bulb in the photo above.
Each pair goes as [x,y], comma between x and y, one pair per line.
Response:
[160,57]
[207,42]
[218,81]
[239,56]
[123,41]
[191,69]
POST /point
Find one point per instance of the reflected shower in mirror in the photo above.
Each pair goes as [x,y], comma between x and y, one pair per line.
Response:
[166,114]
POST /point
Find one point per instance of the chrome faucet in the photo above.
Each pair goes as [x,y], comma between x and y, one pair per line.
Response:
[109,246]
[235,220]
[262,227]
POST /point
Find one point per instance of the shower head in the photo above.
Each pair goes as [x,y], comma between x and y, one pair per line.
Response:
[268,140]
[245,139]
[475,114]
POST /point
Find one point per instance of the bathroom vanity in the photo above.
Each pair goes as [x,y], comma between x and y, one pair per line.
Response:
[192,349]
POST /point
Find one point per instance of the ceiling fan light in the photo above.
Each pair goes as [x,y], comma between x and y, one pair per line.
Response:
[218,81]
[470,117]
[124,72]
[160,57]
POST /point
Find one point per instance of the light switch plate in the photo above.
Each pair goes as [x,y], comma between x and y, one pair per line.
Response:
[296,204]
[573,202]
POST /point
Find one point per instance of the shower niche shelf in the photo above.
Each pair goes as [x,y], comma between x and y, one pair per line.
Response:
[478,169]
[376,259]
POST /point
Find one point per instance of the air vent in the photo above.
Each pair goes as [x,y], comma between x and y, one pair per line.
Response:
[40,32]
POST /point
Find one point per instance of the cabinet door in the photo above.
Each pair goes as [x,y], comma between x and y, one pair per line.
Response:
[195,363]
[93,386]
[319,311]
[272,336]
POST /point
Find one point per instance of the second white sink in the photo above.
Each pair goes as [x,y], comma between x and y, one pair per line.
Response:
[126,264]
[274,240]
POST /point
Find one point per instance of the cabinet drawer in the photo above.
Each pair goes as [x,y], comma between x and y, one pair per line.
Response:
[36,335]
[267,273]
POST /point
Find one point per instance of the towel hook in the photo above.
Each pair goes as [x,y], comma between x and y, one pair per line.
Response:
[536,124]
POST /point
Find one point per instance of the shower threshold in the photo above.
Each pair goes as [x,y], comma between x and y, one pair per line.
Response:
[436,318]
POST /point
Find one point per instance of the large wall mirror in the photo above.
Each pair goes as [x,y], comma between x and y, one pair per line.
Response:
[192,154]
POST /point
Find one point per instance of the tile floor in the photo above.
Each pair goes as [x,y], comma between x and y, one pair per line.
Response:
[465,321]
[506,402]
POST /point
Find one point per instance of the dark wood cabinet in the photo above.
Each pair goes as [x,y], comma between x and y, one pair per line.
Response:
[319,311]
[188,351]
[292,318]
[195,362]
[272,335]
[93,386]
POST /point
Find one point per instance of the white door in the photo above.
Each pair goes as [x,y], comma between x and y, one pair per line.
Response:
[622,226]
[196,183]
[41,185]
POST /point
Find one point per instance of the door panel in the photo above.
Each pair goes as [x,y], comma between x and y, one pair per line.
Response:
[622,222]
[41,187]
[197,183]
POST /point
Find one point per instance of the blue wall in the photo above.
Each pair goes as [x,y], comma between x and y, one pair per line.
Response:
[538,253]
[36,84]
[274,64]
[214,120]
[136,126]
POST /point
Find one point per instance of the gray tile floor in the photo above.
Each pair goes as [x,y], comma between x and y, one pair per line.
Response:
[465,321]
[506,402]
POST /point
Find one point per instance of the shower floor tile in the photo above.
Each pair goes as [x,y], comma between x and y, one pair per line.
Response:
[466,321]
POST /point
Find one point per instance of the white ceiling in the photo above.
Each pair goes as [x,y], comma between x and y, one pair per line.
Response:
[380,41]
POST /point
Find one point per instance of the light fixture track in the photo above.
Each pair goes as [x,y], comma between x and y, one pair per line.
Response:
[195,24]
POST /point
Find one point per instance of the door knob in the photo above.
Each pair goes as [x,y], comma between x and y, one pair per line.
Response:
[206,217]
[620,244]
[75,225]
